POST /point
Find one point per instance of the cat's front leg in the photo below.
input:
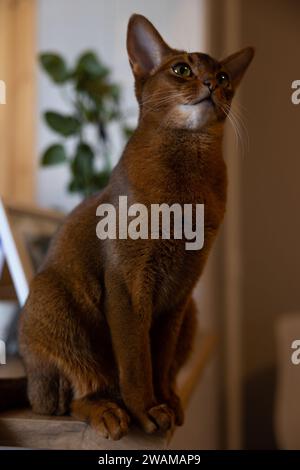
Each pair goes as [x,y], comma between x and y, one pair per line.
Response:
[171,338]
[129,327]
[164,340]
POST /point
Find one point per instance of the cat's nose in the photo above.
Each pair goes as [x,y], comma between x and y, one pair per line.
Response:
[210,84]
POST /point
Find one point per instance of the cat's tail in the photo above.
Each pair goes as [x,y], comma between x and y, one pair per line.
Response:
[13,393]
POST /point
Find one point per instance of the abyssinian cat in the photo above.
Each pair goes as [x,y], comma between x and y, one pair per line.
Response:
[108,323]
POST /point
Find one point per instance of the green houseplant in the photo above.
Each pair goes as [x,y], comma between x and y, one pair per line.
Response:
[94,102]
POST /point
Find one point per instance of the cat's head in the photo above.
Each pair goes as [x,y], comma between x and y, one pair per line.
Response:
[180,89]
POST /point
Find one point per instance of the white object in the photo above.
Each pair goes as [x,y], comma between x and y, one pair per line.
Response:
[12,257]
[2,258]
[287,407]
[8,309]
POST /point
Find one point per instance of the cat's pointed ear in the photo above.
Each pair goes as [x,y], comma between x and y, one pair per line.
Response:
[145,46]
[237,64]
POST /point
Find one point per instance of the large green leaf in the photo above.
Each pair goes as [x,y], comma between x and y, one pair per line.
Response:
[97,182]
[53,155]
[55,67]
[63,124]
[91,78]
[83,163]
[96,88]
[101,179]
[89,64]
[76,185]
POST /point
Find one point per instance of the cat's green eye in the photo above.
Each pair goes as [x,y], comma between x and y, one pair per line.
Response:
[183,70]
[222,79]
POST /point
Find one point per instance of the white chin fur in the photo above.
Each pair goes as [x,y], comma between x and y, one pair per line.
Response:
[193,116]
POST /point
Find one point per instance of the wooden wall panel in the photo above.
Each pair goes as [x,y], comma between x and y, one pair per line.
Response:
[18,115]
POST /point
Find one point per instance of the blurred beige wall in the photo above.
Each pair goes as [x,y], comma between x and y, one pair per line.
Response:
[270,200]
[259,259]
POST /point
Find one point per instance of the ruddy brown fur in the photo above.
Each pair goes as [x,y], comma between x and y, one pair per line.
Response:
[108,323]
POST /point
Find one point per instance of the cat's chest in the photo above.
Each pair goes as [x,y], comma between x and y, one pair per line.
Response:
[174,272]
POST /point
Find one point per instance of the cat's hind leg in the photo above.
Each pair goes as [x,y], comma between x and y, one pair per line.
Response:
[58,339]
[49,392]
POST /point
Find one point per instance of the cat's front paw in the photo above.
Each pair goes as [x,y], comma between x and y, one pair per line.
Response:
[158,418]
[111,421]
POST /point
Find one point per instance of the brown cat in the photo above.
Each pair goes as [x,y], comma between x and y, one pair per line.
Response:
[108,323]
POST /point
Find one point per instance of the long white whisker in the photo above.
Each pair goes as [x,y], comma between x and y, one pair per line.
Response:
[236,115]
[237,137]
